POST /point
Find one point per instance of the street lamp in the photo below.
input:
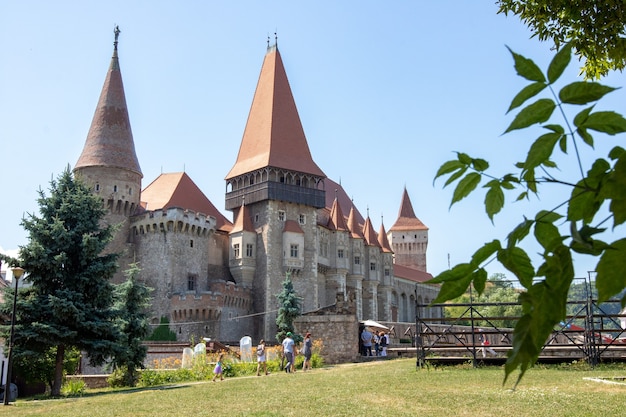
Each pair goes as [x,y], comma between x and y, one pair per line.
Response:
[17,274]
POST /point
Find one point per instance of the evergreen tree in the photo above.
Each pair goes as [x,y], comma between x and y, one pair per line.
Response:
[288,311]
[70,303]
[132,301]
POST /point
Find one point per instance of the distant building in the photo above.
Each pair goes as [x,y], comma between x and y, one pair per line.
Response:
[219,278]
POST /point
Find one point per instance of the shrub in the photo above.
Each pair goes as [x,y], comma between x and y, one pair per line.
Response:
[73,388]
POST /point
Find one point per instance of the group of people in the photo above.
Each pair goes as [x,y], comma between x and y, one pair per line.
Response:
[376,341]
[289,354]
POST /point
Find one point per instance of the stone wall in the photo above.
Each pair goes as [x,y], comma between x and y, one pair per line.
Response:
[338,332]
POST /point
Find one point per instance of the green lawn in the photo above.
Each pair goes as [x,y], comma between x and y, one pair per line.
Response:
[389,388]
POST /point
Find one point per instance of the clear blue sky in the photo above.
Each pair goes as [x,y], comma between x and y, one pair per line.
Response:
[386,93]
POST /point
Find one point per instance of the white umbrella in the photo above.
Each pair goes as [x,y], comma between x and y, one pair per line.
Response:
[372,323]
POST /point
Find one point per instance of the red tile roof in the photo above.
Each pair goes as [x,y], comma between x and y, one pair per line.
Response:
[407,220]
[243,222]
[353,224]
[273,136]
[336,191]
[110,139]
[336,220]
[292,226]
[383,241]
[369,234]
[410,274]
[178,190]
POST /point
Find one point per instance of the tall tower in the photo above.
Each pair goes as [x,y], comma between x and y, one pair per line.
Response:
[109,162]
[409,237]
[283,188]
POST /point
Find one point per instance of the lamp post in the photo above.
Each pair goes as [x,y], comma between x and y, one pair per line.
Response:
[17,274]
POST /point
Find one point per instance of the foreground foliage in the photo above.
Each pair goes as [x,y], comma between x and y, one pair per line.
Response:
[597,29]
[596,200]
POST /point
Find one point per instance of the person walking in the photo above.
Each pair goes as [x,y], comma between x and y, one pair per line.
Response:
[261,360]
[486,345]
[218,370]
[289,352]
[307,351]
[383,343]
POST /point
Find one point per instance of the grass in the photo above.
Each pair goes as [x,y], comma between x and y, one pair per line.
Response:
[393,388]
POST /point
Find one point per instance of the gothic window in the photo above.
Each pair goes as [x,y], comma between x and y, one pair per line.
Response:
[294,250]
[281,215]
[236,250]
[191,282]
[372,266]
[302,219]
[339,253]
[249,250]
[357,260]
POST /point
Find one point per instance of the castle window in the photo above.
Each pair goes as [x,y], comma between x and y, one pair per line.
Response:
[357,260]
[191,243]
[130,191]
[387,272]
[249,250]
[339,253]
[115,188]
[372,266]
[302,219]
[97,187]
[294,250]
[236,250]
[256,218]
[191,282]
[281,215]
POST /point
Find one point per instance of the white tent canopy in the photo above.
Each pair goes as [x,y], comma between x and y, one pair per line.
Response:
[372,323]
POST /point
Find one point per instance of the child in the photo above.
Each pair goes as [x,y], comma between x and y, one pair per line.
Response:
[218,368]
[260,358]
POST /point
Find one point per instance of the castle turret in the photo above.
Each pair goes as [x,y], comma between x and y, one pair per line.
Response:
[409,237]
[283,188]
[108,161]
[242,243]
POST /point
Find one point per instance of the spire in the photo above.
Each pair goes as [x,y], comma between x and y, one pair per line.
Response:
[383,241]
[110,139]
[369,234]
[353,224]
[336,220]
[407,220]
[274,136]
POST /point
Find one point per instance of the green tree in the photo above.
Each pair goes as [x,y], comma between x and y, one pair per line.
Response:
[288,311]
[132,301]
[595,198]
[70,302]
[596,29]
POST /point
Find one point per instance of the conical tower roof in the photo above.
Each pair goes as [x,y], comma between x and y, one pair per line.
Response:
[243,222]
[336,220]
[274,136]
[369,234]
[110,139]
[383,241]
[407,220]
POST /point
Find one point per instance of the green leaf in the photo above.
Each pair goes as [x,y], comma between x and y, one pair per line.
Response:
[581,92]
[494,201]
[548,235]
[607,122]
[587,138]
[465,187]
[519,233]
[559,63]
[563,144]
[464,158]
[527,68]
[482,254]
[538,112]
[526,93]
[455,176]
[479,278]
[610,278]
[517,261]
[541,150]
[448,167]
[548,216]
[480,164]
[454,282]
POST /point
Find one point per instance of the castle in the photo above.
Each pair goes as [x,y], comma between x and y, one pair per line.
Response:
[219,278]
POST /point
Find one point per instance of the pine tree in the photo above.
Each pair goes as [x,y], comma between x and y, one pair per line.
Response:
[70,303]
[288,311]
[132,302]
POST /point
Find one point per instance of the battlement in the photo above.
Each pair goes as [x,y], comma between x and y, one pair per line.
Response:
[208,305]
[174,219]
